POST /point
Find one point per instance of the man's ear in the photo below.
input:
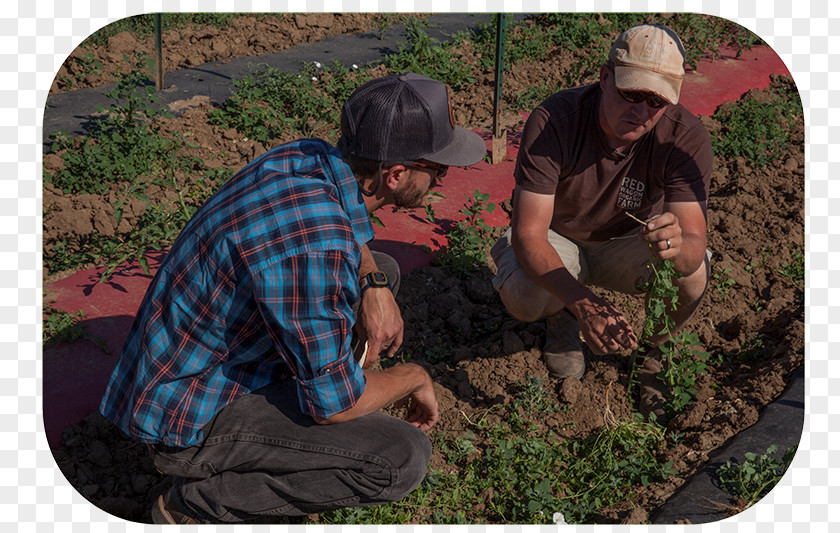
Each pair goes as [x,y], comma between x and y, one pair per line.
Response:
[605,73]
[393,175]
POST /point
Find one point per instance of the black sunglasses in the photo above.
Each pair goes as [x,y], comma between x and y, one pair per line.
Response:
[634,97]
[438,169]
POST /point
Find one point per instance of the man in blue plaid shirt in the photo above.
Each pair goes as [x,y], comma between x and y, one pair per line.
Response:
[239,371]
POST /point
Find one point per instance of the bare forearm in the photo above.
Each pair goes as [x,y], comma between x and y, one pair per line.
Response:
[382,389]
[691,255]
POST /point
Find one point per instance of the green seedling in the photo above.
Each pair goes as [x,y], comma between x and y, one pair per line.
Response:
[753,479]
[722,281]
[795,269]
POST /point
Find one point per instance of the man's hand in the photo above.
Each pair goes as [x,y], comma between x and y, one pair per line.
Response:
[379,323]
[422,406]
[604,329]
[664,235]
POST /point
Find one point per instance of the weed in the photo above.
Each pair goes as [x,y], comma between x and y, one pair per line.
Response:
[269,103]
[752,349]
[466,244]
[428,56]
[123,143]
[533,397]
[384,21]
[80,68]
[795,269]
[61,326]
[757,131]
[764,253]
[722,281]
[682,355]
[126,147]
[753,479]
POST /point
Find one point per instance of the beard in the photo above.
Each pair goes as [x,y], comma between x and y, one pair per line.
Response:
[409,197]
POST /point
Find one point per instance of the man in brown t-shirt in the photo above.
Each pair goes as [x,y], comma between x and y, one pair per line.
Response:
[589,156]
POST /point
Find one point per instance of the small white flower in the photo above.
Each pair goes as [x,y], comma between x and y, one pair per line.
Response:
[355,66]
[314,78]
[317,65]
[559,519]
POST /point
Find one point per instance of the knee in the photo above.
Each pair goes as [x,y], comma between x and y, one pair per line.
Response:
[413,463]
[523,299]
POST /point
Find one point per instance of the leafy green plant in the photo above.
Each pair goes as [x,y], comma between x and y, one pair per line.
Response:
[752,349]
[682,355]
[428,56]
[126,151]
[124,143]
[269,103]
[759,131]
[466,242]
[722,281]
[534,398]
[61,326]
[764,253]
[753,479]
[795,269]
[81,67]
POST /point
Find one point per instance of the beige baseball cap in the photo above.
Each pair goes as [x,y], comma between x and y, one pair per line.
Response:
[649,58]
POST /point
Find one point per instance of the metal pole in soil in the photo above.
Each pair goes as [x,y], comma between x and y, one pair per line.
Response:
[158,52]
[499,150]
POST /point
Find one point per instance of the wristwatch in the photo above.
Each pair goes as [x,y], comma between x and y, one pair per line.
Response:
[375,279]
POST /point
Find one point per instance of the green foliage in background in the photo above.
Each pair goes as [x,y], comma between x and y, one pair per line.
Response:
[430,57]
[270,103]
[126,151]
[759,131]
[143,25]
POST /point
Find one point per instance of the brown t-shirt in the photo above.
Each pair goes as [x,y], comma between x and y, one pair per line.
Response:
[564,152]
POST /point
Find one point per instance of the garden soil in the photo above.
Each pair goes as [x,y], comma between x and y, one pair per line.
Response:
[754,324]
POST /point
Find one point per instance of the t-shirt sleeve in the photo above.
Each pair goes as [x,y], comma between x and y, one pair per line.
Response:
[689,169]
[538,162]
[306,302]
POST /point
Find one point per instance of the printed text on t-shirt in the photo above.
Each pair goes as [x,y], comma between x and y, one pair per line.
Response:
[631,193]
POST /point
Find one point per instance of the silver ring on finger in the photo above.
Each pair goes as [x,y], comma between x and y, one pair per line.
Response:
[668,244]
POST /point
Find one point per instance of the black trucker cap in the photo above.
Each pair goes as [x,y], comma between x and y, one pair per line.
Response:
[407,117]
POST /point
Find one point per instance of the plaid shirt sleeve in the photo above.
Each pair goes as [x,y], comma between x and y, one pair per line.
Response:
[305,301]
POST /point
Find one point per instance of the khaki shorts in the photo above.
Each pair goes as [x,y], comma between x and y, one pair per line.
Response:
[621,264]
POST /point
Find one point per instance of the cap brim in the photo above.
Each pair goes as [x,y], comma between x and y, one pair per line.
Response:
[467,148]
[639,79]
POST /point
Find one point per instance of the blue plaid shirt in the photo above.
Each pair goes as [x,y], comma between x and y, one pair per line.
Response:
[257,287]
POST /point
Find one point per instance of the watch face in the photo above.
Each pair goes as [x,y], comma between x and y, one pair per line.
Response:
[378,279]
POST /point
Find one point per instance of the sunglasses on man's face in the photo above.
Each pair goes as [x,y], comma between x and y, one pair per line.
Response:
[634,97]
[438,170]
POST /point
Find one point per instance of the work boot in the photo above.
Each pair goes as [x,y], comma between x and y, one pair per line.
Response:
[651,389]
[167,510]
[563,351]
